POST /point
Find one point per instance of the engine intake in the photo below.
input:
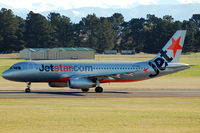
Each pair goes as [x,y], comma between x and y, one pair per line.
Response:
[81,83]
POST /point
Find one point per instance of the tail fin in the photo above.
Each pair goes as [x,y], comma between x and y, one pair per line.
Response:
[172,50]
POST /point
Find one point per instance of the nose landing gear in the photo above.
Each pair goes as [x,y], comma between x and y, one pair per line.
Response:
[28,90]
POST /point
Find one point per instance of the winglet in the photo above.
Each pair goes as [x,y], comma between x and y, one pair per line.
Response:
[172,50]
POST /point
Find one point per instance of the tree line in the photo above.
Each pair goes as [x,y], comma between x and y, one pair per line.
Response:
[105,33]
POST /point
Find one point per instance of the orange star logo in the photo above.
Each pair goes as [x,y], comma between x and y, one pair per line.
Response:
[175,45]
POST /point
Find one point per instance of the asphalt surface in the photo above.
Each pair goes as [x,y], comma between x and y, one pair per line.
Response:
[106,93]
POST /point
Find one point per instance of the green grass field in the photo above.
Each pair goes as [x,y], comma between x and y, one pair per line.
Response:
[100,115]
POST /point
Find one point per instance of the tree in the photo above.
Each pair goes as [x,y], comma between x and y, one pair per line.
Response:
[89,31]
[116,20]
[20,34]
[63,29]
[97,33]
[197,45]
[168,18]
[106,35]
[190,40]
[196,18]
[133,34]
[9,26]
[39,32]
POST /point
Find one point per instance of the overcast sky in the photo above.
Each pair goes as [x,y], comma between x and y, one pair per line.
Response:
[45,5]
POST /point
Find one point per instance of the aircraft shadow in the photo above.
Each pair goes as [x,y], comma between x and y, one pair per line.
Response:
[114,92]
[59,93]
[80,94]
[44,92]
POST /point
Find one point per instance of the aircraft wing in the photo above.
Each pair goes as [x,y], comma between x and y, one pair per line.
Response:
[103,75]
[98,75]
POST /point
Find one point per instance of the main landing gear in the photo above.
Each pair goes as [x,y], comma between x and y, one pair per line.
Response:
[28,90]
[98,89]
[85,90]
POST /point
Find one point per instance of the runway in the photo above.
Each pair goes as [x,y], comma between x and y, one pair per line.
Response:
[105,94]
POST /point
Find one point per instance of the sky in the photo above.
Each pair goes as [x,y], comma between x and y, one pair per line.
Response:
[46,5]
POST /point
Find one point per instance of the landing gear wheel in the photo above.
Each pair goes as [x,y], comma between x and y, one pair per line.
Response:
[99,89]
[85,90]
[28,90]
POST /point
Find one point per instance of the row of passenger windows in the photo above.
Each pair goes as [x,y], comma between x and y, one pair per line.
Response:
[99,68]
[118,68]
[15,67]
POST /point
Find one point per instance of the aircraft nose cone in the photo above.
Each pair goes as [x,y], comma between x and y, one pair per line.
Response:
[6,75]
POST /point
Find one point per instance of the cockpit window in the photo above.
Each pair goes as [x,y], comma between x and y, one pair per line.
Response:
[15,67]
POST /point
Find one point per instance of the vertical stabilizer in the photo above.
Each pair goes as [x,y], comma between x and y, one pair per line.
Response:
[172,50]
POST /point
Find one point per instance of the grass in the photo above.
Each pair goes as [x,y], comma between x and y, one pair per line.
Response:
[100,115]
[194,71]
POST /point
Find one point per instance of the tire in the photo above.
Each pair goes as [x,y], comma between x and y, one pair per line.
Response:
[85,90]
[28,90]
[99,89]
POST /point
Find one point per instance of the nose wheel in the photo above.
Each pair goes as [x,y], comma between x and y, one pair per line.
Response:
[28,90]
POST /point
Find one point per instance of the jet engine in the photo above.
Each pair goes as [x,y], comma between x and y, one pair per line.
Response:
[81,83]
[58,84]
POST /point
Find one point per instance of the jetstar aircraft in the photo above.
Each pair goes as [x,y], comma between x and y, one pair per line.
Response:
[87,74]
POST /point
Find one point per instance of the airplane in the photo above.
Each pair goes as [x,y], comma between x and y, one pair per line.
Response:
[88,74]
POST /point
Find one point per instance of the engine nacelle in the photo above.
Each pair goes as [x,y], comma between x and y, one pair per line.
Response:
[81,83]
[58,84]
